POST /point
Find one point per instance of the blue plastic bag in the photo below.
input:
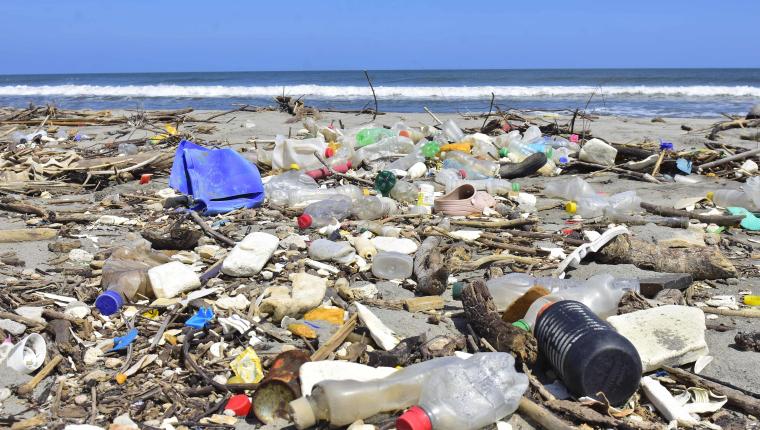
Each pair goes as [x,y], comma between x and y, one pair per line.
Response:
[220,180]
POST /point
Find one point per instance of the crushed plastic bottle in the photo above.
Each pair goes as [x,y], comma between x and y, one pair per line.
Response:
[473,167]
[392,265]
[748,197]
[480,391]
[405,192]
[301,198]
[324,212]
[125,275]
[387,147]
[369,136]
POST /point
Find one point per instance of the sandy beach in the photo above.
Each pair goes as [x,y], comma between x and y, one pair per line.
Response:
[241,131]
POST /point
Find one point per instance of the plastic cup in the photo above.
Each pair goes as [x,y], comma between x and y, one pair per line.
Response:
[27,355]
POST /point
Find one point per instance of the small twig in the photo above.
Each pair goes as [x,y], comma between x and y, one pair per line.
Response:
[490,108]
[374,114]
[94,407]
[42,374]
[435,118]
[209,232]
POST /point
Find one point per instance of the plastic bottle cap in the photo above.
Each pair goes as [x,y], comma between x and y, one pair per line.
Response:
[304,221]
[456,290]
[571,207]
[521,324]
[463,174]
[515,187]
[109,302]
[414,419]
[710,195]
[503,152]
[329,152]
[145,178]
[294,166]
[240,404]
[404,133]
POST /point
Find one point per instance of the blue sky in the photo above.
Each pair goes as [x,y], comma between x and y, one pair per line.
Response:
[73,36]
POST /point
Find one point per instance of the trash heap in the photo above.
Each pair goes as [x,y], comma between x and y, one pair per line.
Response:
[376,277]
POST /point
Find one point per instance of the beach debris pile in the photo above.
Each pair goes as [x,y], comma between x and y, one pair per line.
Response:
[382,276]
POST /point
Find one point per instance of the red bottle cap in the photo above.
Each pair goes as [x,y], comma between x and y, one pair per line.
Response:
[240,404]
[304,221]
[145,178]
[463,174]
[404,133]
[329,152]
[414,419]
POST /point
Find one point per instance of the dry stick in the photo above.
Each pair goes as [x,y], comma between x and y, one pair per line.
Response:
[736,398]
[336,339]
[209,232]
[542,416]
[747,313]
[226,112]
[495,224]
[540,235]
[94,413]
[374,115]
[29,386]
[740,156]
[724,220]
[490,108]
[435,118]
[643,176]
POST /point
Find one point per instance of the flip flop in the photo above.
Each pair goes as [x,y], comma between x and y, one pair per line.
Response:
[750,221]
[464,200]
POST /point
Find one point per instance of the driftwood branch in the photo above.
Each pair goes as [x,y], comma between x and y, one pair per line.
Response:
[374,96]
[430,268]
[736,398]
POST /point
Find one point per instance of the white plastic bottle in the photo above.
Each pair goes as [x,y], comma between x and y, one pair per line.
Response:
[482,390]
[374,207]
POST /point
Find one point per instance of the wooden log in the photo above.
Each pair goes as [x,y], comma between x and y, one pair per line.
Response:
[724,220]
[24,208]
[736,398]
[587,415]
[27,235]
[42,374]
[425,303]
[701,263]
[429,268]
[480,311]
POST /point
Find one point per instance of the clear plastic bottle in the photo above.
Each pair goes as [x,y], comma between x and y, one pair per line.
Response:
[325,212]
[407,161]
[392,265]
[570,189]
[300,198]
[389,146]
[732,198]
[374,207]
[482,390]
[473,167]
[452,130]
[342,402]
[494,186]
[405,192]
[125,275]
[449,178]
[279,187]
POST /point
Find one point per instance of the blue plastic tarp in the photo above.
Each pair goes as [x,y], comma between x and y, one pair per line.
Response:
[219,180]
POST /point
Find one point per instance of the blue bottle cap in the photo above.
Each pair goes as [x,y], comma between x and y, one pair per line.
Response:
[109,302]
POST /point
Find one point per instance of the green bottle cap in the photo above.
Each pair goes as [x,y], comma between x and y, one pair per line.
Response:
[515,187]
[503,152]
[456,290]
[521,324]
[384,182]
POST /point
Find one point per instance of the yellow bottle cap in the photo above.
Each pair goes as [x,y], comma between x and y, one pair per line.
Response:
[365,191]
[571,207]
[752,300]
[710,195]
[294,166]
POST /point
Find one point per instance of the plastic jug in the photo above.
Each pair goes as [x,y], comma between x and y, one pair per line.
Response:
[392,265]
[587,353]
[293,153]
[468,396]
[325,212]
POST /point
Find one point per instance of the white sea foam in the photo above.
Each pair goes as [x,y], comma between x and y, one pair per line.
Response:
[388,92]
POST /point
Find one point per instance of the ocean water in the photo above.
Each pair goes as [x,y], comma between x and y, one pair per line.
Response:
[633,92]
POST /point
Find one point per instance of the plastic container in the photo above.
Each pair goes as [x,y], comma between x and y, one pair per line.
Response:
[473,167]
[426,196]
[325,212]
[732,198]
[374,207]
[387,147]
[128,149]
[303,198]
[405,192]
[392,265]
[570,189]
[480,391]
[587,354]
[324,250]
[125,276]
[599,152]
[28,354]
[297,154]
[172,279]
[278,188]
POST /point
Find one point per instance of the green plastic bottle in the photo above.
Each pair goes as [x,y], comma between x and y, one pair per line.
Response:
[431,149]
[368,136]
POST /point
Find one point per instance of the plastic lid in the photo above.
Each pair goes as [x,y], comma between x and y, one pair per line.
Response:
[515,187]
[521,324]
[456,290]
[462,173]
[710,195]
[329,152]
[503,152]
[414,419]
[109,302]
[571,207]
[404,133]
[304,221]
[240,404]
[294,166]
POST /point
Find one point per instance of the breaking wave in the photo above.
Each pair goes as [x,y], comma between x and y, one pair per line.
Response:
[388,92]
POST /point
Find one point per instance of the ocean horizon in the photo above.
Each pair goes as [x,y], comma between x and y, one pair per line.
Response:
[685,92]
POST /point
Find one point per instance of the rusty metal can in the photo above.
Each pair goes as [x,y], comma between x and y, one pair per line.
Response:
[279,387]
